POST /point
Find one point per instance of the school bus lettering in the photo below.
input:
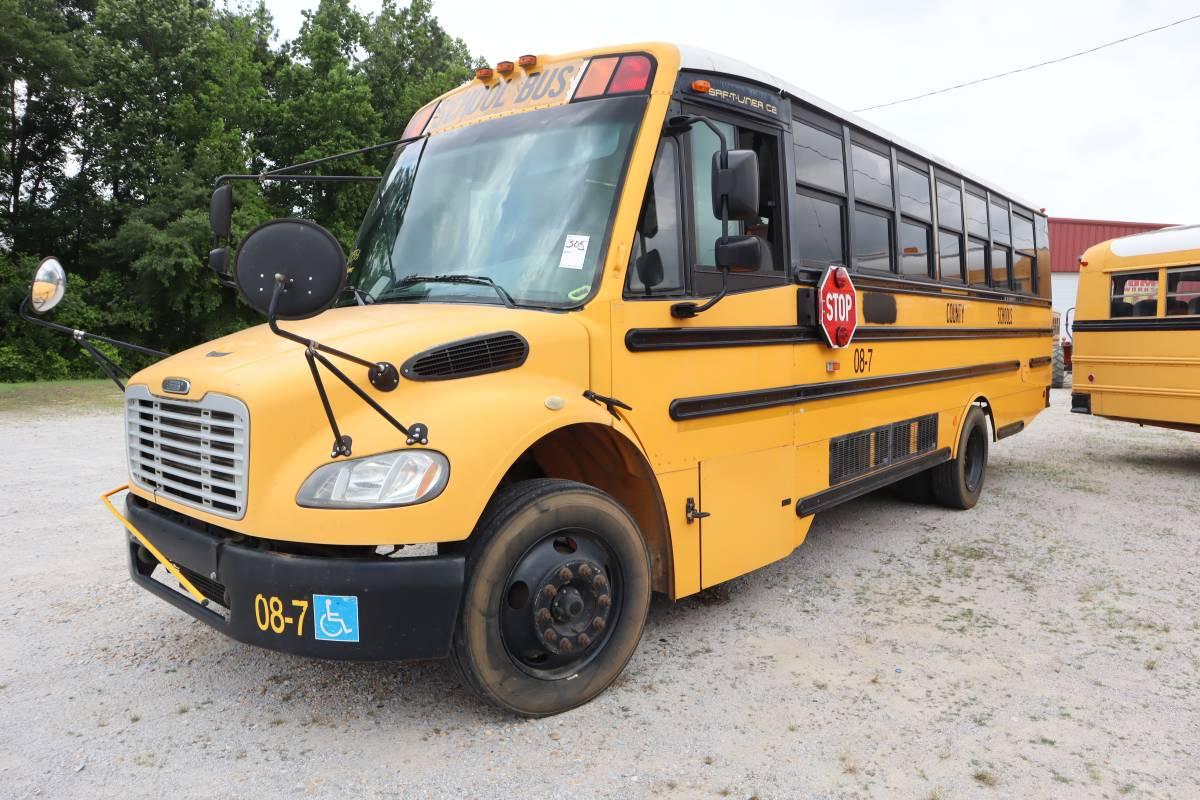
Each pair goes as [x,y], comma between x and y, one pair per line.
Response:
[522,412]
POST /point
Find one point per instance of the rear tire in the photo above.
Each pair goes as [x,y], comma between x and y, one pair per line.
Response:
[556,597]
[1058,370]
[959,482]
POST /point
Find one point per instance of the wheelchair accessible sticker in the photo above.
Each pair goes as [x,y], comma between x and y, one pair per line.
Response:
[337,618]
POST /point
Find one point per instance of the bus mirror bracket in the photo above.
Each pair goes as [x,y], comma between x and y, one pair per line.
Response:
[47,290]
[302,269]
[735,196]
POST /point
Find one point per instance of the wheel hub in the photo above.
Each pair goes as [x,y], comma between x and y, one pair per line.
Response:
[572,606]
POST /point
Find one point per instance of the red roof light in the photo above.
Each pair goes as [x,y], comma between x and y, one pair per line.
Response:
[632,75]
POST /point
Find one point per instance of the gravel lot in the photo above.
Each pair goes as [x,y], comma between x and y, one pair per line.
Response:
[1043,645]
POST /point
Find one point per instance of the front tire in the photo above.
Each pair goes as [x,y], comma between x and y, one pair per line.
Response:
[557,593]
[959,482]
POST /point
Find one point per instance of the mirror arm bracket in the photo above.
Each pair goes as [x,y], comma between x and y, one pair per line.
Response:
[383,376]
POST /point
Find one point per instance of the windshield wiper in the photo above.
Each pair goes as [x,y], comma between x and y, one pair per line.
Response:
[476,280]
[360,297]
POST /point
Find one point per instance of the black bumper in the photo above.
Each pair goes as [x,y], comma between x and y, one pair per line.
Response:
[406,607]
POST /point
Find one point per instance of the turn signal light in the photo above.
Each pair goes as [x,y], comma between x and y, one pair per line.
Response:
[505,67]
[702,86]
[527,62]
[484,73]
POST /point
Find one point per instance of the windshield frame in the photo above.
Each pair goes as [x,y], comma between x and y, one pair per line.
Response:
[636,106]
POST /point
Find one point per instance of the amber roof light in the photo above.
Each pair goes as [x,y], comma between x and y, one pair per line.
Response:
[484,73]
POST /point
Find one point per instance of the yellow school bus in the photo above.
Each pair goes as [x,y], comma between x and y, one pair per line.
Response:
[1137,329]
[578,355]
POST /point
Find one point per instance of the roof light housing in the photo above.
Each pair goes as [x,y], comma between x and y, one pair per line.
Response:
[505,68]
[616,75]
[527,61]
[484,74]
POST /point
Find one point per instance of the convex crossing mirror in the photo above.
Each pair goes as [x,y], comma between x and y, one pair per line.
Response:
[308,257]
[49,285]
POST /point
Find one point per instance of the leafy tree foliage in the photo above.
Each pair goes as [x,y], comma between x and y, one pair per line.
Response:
[121,113]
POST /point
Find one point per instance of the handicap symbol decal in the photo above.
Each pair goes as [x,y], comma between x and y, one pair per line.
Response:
[337,618]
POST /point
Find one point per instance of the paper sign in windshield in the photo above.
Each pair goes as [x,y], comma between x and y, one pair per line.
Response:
[574,251]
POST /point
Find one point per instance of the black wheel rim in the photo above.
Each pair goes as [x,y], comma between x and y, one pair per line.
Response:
[560,602]
[973,468]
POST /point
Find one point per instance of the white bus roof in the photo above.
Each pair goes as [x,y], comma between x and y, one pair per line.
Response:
[1151,243]
[695,58]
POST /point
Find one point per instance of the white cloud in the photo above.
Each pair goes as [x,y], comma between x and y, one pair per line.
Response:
[1109,135]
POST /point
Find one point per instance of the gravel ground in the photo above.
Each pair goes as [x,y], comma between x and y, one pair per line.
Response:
[1041,645]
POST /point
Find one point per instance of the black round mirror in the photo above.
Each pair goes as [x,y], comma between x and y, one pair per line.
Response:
[308,256]
[49,285]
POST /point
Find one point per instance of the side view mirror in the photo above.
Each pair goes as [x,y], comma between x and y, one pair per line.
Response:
[736,184]
[740,253]
[220,211]
[49,285]
[649,268]
[309,259]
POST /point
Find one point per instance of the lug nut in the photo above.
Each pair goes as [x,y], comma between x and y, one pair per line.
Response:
[543,615]
[585,571]
[600,582]
[550,635]
[566,645]
[565,574]
[598,623]
[584,640]
[604,601]
[550,590]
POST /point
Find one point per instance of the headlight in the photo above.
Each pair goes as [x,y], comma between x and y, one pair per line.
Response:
[399,478]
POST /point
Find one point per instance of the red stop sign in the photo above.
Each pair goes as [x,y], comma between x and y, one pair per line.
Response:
[837,306]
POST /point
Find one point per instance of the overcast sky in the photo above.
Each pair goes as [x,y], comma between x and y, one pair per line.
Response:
[1112,135]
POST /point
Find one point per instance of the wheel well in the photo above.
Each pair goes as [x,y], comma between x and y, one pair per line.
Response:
[599,456]
[986,405]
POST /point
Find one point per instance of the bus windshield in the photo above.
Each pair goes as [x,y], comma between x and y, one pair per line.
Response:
[524,201]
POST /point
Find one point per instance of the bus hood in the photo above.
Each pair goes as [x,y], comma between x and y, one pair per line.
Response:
[255,361]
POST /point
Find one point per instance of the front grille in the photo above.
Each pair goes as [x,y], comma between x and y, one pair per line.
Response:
[193,452]
[475,356]
[861,452]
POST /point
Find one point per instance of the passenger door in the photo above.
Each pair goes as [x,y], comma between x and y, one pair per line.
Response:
[737,468]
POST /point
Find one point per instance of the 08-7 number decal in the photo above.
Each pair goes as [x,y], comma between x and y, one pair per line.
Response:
[862,359]
[268,613]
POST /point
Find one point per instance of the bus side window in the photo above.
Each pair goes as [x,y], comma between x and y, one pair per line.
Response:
[1135,294]
[659,227]
[1183,291]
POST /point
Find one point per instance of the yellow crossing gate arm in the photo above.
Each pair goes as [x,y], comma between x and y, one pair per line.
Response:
[166,562]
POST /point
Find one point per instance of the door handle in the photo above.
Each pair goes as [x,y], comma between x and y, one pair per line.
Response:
[694,513]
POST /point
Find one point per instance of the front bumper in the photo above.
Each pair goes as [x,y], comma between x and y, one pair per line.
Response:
[406,607]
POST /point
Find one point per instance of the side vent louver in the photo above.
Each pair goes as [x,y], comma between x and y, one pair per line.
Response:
[866,451]
[492,352]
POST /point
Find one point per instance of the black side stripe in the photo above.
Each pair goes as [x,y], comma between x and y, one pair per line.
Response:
[756,399]
[1137,324]
[822,501]
[867,333]
[641,340]
[1040,361]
